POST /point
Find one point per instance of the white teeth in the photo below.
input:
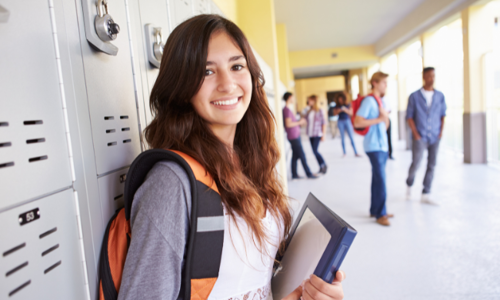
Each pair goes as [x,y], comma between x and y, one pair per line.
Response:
[226,102]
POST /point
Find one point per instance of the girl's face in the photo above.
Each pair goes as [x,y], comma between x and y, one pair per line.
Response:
[225,94]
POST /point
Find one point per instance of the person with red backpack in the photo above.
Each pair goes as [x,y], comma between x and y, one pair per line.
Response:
[371,119]
[206,208]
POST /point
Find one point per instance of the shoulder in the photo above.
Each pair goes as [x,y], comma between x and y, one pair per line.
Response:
[286,111]
[165,192]
[439,93]
[369,101]
[415,93]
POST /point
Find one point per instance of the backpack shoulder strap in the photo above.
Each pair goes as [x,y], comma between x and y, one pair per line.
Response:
[206,233]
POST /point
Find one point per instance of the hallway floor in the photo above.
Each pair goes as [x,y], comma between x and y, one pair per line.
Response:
[450,251]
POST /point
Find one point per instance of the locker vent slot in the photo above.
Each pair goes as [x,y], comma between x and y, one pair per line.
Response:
[52,267]
[112,144]
[4,124]
[46,233]
[50,250]
[110,131]
[108,118]
[39,158]
[5,165]
[118,197]
[126,129]
[16,269]
[22,286]
[34,141]
[14,249]
[33,122]
[6,144]
[127,141]
[123,117]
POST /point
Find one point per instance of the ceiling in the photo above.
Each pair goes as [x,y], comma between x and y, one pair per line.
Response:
[316,24]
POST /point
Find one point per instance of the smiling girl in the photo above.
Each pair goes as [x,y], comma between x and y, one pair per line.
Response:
[209,103]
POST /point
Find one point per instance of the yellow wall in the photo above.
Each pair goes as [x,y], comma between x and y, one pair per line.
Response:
[477,28]
[319,57]
[318,86]
[229,8]
[363,80]
[286,75]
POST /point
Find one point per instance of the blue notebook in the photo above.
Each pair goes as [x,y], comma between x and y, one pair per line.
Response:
[318,243]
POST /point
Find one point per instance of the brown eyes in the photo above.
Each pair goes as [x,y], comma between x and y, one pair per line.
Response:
[209,72]
[237,68]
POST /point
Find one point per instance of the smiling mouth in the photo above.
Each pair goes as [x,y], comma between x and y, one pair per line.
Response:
[226,102]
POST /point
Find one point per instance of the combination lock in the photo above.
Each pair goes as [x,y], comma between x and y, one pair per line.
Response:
[105,26]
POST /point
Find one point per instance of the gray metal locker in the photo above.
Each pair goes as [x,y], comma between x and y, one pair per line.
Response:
[41,250]
[33,144]
[181,10]
[147,18]
[201,7]
[111,192]
[111,95]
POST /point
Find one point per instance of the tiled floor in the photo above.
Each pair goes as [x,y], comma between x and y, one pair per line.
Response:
[450,251]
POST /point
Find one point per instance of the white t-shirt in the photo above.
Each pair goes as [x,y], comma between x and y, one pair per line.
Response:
[428,96]
[245,273]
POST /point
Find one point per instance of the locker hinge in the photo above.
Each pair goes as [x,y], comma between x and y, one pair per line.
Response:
[80,242]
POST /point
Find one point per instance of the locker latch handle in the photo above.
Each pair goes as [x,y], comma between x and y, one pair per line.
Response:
[4,14]
[154,41]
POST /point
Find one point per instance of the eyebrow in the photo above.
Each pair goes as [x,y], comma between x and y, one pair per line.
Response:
[233,58]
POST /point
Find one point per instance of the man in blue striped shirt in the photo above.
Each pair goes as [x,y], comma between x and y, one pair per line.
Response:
[425,115]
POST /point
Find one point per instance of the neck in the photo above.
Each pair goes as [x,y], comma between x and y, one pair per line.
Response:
[428,87]
[225,133]
[376,93]
[290,105]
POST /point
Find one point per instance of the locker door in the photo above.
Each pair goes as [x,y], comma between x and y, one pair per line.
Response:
[181,10]
[155,14]
[41,251]
[111,192]
[33,145]
[111,96]
[201,7]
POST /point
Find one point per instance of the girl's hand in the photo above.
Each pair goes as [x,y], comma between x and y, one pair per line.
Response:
[315,288]
[323,138]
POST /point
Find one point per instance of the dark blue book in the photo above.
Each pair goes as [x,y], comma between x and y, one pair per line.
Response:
[318,243]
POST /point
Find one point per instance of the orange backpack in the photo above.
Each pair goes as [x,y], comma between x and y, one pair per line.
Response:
[206,233]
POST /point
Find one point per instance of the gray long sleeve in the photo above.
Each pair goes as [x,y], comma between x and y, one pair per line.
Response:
[159,223]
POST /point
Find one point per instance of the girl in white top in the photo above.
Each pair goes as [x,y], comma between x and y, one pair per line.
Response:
[209,103]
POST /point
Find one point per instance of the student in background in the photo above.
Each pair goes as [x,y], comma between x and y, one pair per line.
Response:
[372,114]
[316,129]
[425,114]
[333,119]
[344,111]
[292,127]
[306,109]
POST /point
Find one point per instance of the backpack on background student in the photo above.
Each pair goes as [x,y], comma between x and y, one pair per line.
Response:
[204,247]
[356,104]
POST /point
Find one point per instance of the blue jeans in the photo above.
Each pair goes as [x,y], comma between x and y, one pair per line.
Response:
[298,153]
[346,125]
[378,159]
[315,144]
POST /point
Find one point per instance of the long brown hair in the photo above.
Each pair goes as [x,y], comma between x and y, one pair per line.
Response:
[246,178]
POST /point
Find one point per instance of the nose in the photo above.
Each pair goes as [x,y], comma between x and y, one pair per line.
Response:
[226,82]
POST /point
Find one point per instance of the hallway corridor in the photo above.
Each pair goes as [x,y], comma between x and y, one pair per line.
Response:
[450,251]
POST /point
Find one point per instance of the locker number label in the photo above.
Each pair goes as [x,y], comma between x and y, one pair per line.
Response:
[29,216]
